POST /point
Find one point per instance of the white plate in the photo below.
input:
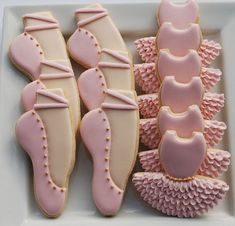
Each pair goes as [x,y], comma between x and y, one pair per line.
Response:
[17,205]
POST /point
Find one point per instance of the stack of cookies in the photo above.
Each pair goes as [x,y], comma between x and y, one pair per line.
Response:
[179,178]
[110,130]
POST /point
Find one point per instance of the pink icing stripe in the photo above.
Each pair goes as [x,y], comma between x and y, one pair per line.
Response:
[113,65]
[54,76]
[90,10]
[57,66]
[121,97]
[52,96]
[116,55]
[118,106]
[41,18]
[41,27]
[91,19]
[52,105]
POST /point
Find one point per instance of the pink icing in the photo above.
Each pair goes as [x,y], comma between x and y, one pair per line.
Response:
[182,158]
[92,86]
[28,95]
[26,53]
[182,199]
[188,38]
[113,65]
[96,134]
[48,106]
[117,56]
[179,96]
[84,48]
[183,68]
[53,96]
[118,106]
[184,123]
[58,66]
[30,133]
[92,18]
[51,23]
[180,15]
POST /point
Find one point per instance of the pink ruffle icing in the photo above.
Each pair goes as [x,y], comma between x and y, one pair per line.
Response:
[182,199]
[150,136]
[212,103]
[147,79]
[215,163]
[146,48]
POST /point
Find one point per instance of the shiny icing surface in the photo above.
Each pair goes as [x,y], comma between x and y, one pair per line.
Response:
[180,15]
[180,157]
[184,39]
[184,123]
[178,96]
[183,68]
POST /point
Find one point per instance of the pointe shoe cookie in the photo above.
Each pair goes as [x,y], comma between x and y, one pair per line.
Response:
[47,136]
[113,71]
[113,144]
[94,23]
[40,52]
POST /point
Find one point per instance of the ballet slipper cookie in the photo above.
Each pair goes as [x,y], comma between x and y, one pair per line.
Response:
[94,23]
[113,144]
[46,134]
[150,75]
[113,71]
[40,52]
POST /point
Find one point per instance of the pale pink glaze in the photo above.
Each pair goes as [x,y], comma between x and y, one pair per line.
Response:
[50,23]
[92,86]
[84,48]
[28,95]
[145,77]
[183,68]
[50,197]
[180,15]
[116,55]
[184,123]
[107,196]
[148,52]
[188,38]
[182,158]
[179,96]
[182,199]
[26,53]
[150,135]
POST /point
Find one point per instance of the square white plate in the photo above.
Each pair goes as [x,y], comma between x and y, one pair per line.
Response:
[135,20]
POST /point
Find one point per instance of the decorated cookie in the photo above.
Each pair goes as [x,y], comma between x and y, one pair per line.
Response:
[94,23]
[45,133]
[112,142]
[40,52]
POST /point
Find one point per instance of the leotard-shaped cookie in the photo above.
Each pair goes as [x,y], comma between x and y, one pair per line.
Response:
[181,15]
[96,31]
[46,135]
[112,142]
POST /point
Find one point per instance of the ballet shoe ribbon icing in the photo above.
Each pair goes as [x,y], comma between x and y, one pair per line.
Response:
[48,23]
[184,39]
[180,157]
[180,15]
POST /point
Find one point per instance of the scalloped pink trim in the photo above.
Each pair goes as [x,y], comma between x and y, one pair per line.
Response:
[182,199]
